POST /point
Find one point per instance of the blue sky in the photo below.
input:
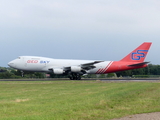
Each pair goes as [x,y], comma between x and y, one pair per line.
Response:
[78,29]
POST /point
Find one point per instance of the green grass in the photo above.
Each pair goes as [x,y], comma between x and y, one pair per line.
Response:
[76,100]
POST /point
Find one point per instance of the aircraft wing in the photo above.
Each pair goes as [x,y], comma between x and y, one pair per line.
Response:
[86,66]
[138,64]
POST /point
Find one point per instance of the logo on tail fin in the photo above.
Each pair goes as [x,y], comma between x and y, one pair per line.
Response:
[139,54]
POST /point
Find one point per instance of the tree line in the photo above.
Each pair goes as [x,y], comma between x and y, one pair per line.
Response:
[150,71]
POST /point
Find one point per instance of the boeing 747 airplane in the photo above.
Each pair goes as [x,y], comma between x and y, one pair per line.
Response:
[76,68]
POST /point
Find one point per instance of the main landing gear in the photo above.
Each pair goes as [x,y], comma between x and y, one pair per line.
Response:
[75,76]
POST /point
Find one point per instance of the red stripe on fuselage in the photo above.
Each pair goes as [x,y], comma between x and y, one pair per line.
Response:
[107,67]
[102,70]
[98,72]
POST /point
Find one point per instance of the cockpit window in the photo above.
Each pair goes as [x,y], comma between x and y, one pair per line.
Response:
[19,58]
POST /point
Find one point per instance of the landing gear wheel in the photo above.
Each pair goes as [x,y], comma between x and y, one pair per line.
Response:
[71,78]
[75,76]
[78,77]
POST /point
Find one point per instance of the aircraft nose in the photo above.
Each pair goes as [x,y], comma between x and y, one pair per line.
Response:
[11,64]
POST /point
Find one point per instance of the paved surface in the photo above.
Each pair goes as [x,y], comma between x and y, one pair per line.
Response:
[147,116]
[57,79]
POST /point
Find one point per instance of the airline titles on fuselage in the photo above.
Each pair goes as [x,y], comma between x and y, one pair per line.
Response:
[37,61]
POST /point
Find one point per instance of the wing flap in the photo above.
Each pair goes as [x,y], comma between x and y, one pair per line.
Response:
[88,66]
[92,63]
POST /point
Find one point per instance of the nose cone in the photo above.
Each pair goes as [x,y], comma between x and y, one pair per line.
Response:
[11,64]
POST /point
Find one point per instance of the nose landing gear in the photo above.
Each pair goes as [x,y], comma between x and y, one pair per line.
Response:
[22,73]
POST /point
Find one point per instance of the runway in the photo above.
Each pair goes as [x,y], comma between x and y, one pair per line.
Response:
[86,79]
[133,80]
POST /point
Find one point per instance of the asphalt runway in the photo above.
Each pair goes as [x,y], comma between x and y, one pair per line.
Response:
[105,79]
[134,80]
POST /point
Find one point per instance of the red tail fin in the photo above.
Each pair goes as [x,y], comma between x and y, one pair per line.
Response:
[139,54]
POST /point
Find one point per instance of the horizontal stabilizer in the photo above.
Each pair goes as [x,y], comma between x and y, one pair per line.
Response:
[138,64]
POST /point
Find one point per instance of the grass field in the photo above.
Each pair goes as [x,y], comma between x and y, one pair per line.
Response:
[76,100]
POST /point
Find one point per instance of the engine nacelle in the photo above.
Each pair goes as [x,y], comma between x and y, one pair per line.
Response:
[76,69]
[58,71]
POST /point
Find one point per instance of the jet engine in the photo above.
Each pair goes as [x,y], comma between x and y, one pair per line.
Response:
[76,69]
[58,71]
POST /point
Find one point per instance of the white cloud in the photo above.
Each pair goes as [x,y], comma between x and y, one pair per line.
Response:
[123,15]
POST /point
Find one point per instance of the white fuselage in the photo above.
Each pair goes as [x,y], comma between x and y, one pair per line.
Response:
[43,64]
